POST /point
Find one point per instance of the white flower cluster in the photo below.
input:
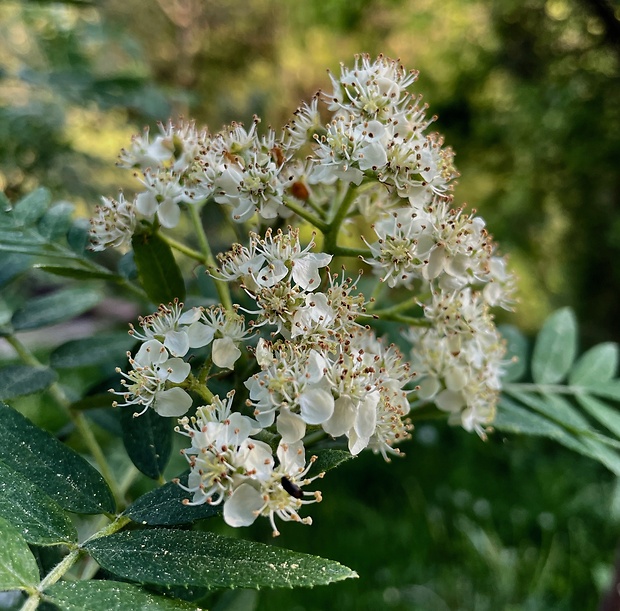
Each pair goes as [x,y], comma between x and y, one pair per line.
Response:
[316,371]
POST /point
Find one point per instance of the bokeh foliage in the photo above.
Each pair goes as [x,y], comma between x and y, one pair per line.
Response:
[528,94]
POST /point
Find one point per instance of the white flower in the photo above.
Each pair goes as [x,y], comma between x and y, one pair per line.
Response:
[113,224]
[173,330]
[281,495]
[146,385]
[223,455]
[229,330]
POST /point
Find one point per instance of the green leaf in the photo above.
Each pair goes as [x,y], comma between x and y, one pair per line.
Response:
[610,390]
[12,265]
[158,271]
[204,559]
[32,207]
[20,380]
[18,567]
[164,506]
[148,440]
[100,350]
[39,519]
[606,415]
[78,236]
[516,353]
[57,307]
[52,466]
[111,596]
[79,273]
[555,347]
[330,459]
[554,407]
[56,221]
[597,365]
[513,418]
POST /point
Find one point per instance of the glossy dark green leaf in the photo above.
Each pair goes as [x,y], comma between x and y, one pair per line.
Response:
[52,466]
[148,440]
[555,348]
[597,365]
[57,307]
[516,353]
[164,506]
[20,380]
[18,567]
[204,559]
[329,459]
[110,596]
[32,207]
[158,271]
[39,519]
[99,350]
[56,221]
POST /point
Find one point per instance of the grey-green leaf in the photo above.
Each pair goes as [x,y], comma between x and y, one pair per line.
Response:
[56,221]
[555,348]
[204,559]
[110,596]
[78,273]
[21,380]
[18,567]
[99,350]
[148,440]
[32,207]
[52,466]
[158,271]
[57,307]
[38,518]
[608,416]
[516,353]
[597,365]
[164,506]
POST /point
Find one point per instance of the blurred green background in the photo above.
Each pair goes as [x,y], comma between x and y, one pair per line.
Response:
[527,93]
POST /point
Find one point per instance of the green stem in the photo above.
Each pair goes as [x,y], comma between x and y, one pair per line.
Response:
[182,248]
[399,307]
[199,387]
[408,320]
[77,418]
[345,251]
[307,216]
[222,287]
[331,235]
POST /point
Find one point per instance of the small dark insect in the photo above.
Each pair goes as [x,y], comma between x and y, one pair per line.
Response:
[293,489]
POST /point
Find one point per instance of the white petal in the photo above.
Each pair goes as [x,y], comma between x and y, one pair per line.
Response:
[366,420]
[456,379]
[225,353]
[342,419]
[317,405]
[146,203]
[242,506]
[429,387]
[169,213]
[152,352]
[315,368]
[271,274]
[173,403]
[449,401]
[177,343]
[356,443]
[192,315]
[199,335]
[174,370]
[264,354]
[292,456]
[435,263]
[306,270]
[290,426]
